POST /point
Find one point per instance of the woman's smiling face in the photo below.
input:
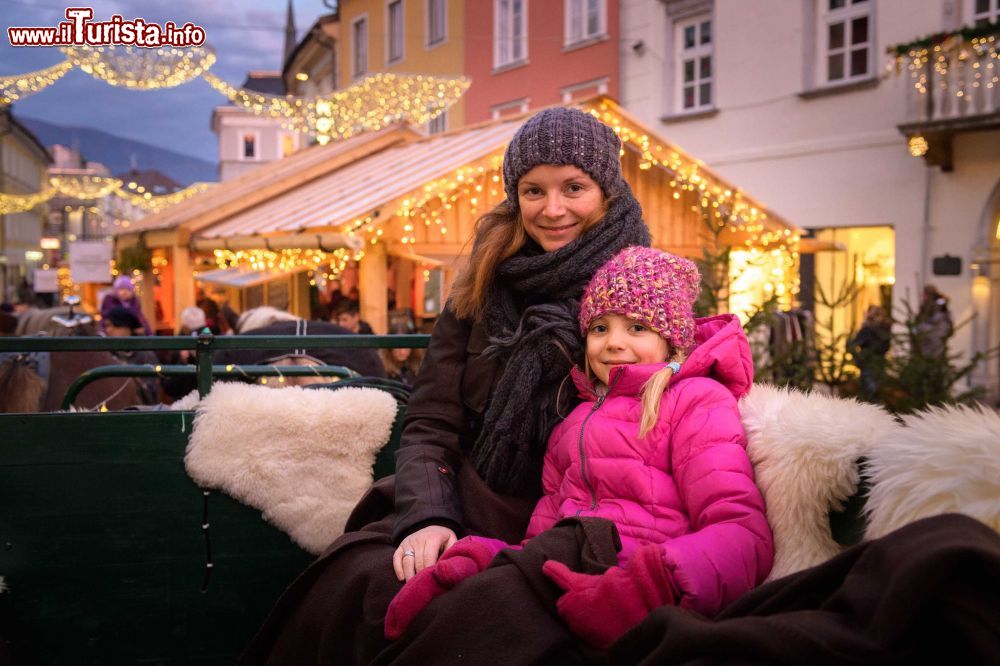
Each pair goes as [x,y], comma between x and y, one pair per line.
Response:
[556,203]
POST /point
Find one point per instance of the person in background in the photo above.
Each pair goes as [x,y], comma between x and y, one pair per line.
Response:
[178,386]
[869,347]
[123,296]
[348,315]
[121,322]
[402,363]
[933,323]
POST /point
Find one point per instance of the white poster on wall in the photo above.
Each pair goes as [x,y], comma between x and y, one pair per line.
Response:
[90,261]
[46,281]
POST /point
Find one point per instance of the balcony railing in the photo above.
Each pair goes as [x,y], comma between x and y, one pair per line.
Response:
[952,76]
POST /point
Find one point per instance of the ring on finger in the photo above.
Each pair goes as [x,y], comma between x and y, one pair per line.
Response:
[408,552]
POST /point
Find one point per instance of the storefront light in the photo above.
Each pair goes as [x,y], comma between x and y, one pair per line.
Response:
[49,243]
[33,255]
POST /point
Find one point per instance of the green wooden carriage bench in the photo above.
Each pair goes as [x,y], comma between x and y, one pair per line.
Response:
[110,553]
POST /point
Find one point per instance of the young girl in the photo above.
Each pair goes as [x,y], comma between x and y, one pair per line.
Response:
[657,447]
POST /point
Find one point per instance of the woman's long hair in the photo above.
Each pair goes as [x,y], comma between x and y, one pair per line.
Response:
[499,234]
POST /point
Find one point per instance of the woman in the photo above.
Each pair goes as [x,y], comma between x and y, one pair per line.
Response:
[485,401]
[402,363]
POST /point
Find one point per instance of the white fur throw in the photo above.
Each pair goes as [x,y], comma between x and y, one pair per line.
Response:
[947,459]
[804,449]
[303,457]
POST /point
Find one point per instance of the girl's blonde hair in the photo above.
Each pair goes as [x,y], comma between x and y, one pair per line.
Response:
[651,394]
[499,234]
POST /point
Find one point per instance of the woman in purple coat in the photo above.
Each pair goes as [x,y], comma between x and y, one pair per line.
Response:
[656,447]
[123,296]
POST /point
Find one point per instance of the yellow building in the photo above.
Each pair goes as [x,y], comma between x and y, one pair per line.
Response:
[403,37]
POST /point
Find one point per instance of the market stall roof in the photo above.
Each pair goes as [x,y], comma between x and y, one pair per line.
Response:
[359,188]
[268,182]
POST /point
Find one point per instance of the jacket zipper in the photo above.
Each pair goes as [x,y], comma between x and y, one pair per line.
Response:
[583,455]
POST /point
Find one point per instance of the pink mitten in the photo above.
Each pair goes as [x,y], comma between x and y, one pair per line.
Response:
[465,558]
[599,609]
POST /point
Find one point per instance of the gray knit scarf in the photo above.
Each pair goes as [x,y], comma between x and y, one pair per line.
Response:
[531,318]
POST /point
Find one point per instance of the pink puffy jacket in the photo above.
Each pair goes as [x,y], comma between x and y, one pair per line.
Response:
[687,486]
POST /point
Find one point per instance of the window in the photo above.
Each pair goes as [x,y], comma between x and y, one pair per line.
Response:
[437,21]
[249,146]
[438,125]
[287,144]
[359,51]
[985,12]
[395,20]
[694,63]
[846,41]
[585,19]
[509,32]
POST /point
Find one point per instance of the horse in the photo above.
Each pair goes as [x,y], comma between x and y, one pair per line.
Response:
[37,382]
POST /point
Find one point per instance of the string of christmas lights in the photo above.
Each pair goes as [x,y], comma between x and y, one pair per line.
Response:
[88,188]
[369,104]
[971,53]
[20,86]
[141,68]
[288,260]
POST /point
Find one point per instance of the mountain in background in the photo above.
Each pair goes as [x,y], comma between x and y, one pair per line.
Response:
[117,153]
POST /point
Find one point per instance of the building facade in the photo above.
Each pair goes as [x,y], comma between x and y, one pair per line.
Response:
[247,140]
[816,122]
[405,37]
[23,170]
[527,54]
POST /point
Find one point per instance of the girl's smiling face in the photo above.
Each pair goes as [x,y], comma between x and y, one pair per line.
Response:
[557,203]
[614,339]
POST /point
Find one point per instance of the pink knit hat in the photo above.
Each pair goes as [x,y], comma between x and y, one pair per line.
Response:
[650,286]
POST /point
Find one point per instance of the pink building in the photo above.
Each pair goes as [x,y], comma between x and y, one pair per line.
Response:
[527,54]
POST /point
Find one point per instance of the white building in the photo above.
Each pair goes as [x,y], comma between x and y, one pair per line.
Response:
[793,100]
[247,140]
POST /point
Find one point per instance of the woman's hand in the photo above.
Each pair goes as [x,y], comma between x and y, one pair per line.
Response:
[421,549]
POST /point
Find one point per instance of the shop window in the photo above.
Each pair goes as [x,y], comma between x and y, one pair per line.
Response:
[867,261]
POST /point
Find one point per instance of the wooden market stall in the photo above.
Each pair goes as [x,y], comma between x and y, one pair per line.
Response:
[392,212]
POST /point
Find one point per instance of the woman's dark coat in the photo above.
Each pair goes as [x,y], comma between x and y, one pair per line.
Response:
[334,612]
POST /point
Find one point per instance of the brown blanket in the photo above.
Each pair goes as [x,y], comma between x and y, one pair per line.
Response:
[507,613]
[928,592]
[929,589]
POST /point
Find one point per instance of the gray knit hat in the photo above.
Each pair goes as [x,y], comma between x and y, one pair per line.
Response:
[559,136]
